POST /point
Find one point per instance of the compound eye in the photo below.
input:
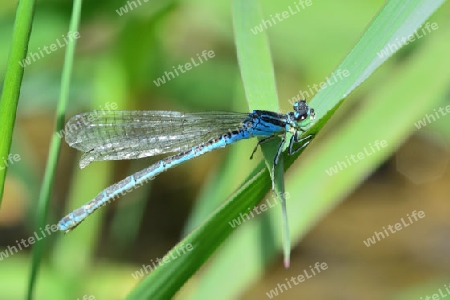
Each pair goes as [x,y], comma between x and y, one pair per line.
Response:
[301,117]
[300,106]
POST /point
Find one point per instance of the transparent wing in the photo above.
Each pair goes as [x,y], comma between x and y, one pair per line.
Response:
[116,135]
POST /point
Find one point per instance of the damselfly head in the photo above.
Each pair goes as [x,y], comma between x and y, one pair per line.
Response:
[302,111]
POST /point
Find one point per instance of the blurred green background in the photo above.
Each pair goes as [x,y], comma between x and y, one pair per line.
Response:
[117,60]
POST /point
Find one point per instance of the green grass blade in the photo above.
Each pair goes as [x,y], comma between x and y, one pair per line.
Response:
[254,57]
[396,20]
[55,145]
[13,79]
[258,79]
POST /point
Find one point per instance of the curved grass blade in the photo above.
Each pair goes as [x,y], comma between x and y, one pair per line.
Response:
[258,78]
[396,20]
[13,79]
[50,168]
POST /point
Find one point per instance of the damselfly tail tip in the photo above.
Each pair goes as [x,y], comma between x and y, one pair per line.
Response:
[66,224]
[61,227]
